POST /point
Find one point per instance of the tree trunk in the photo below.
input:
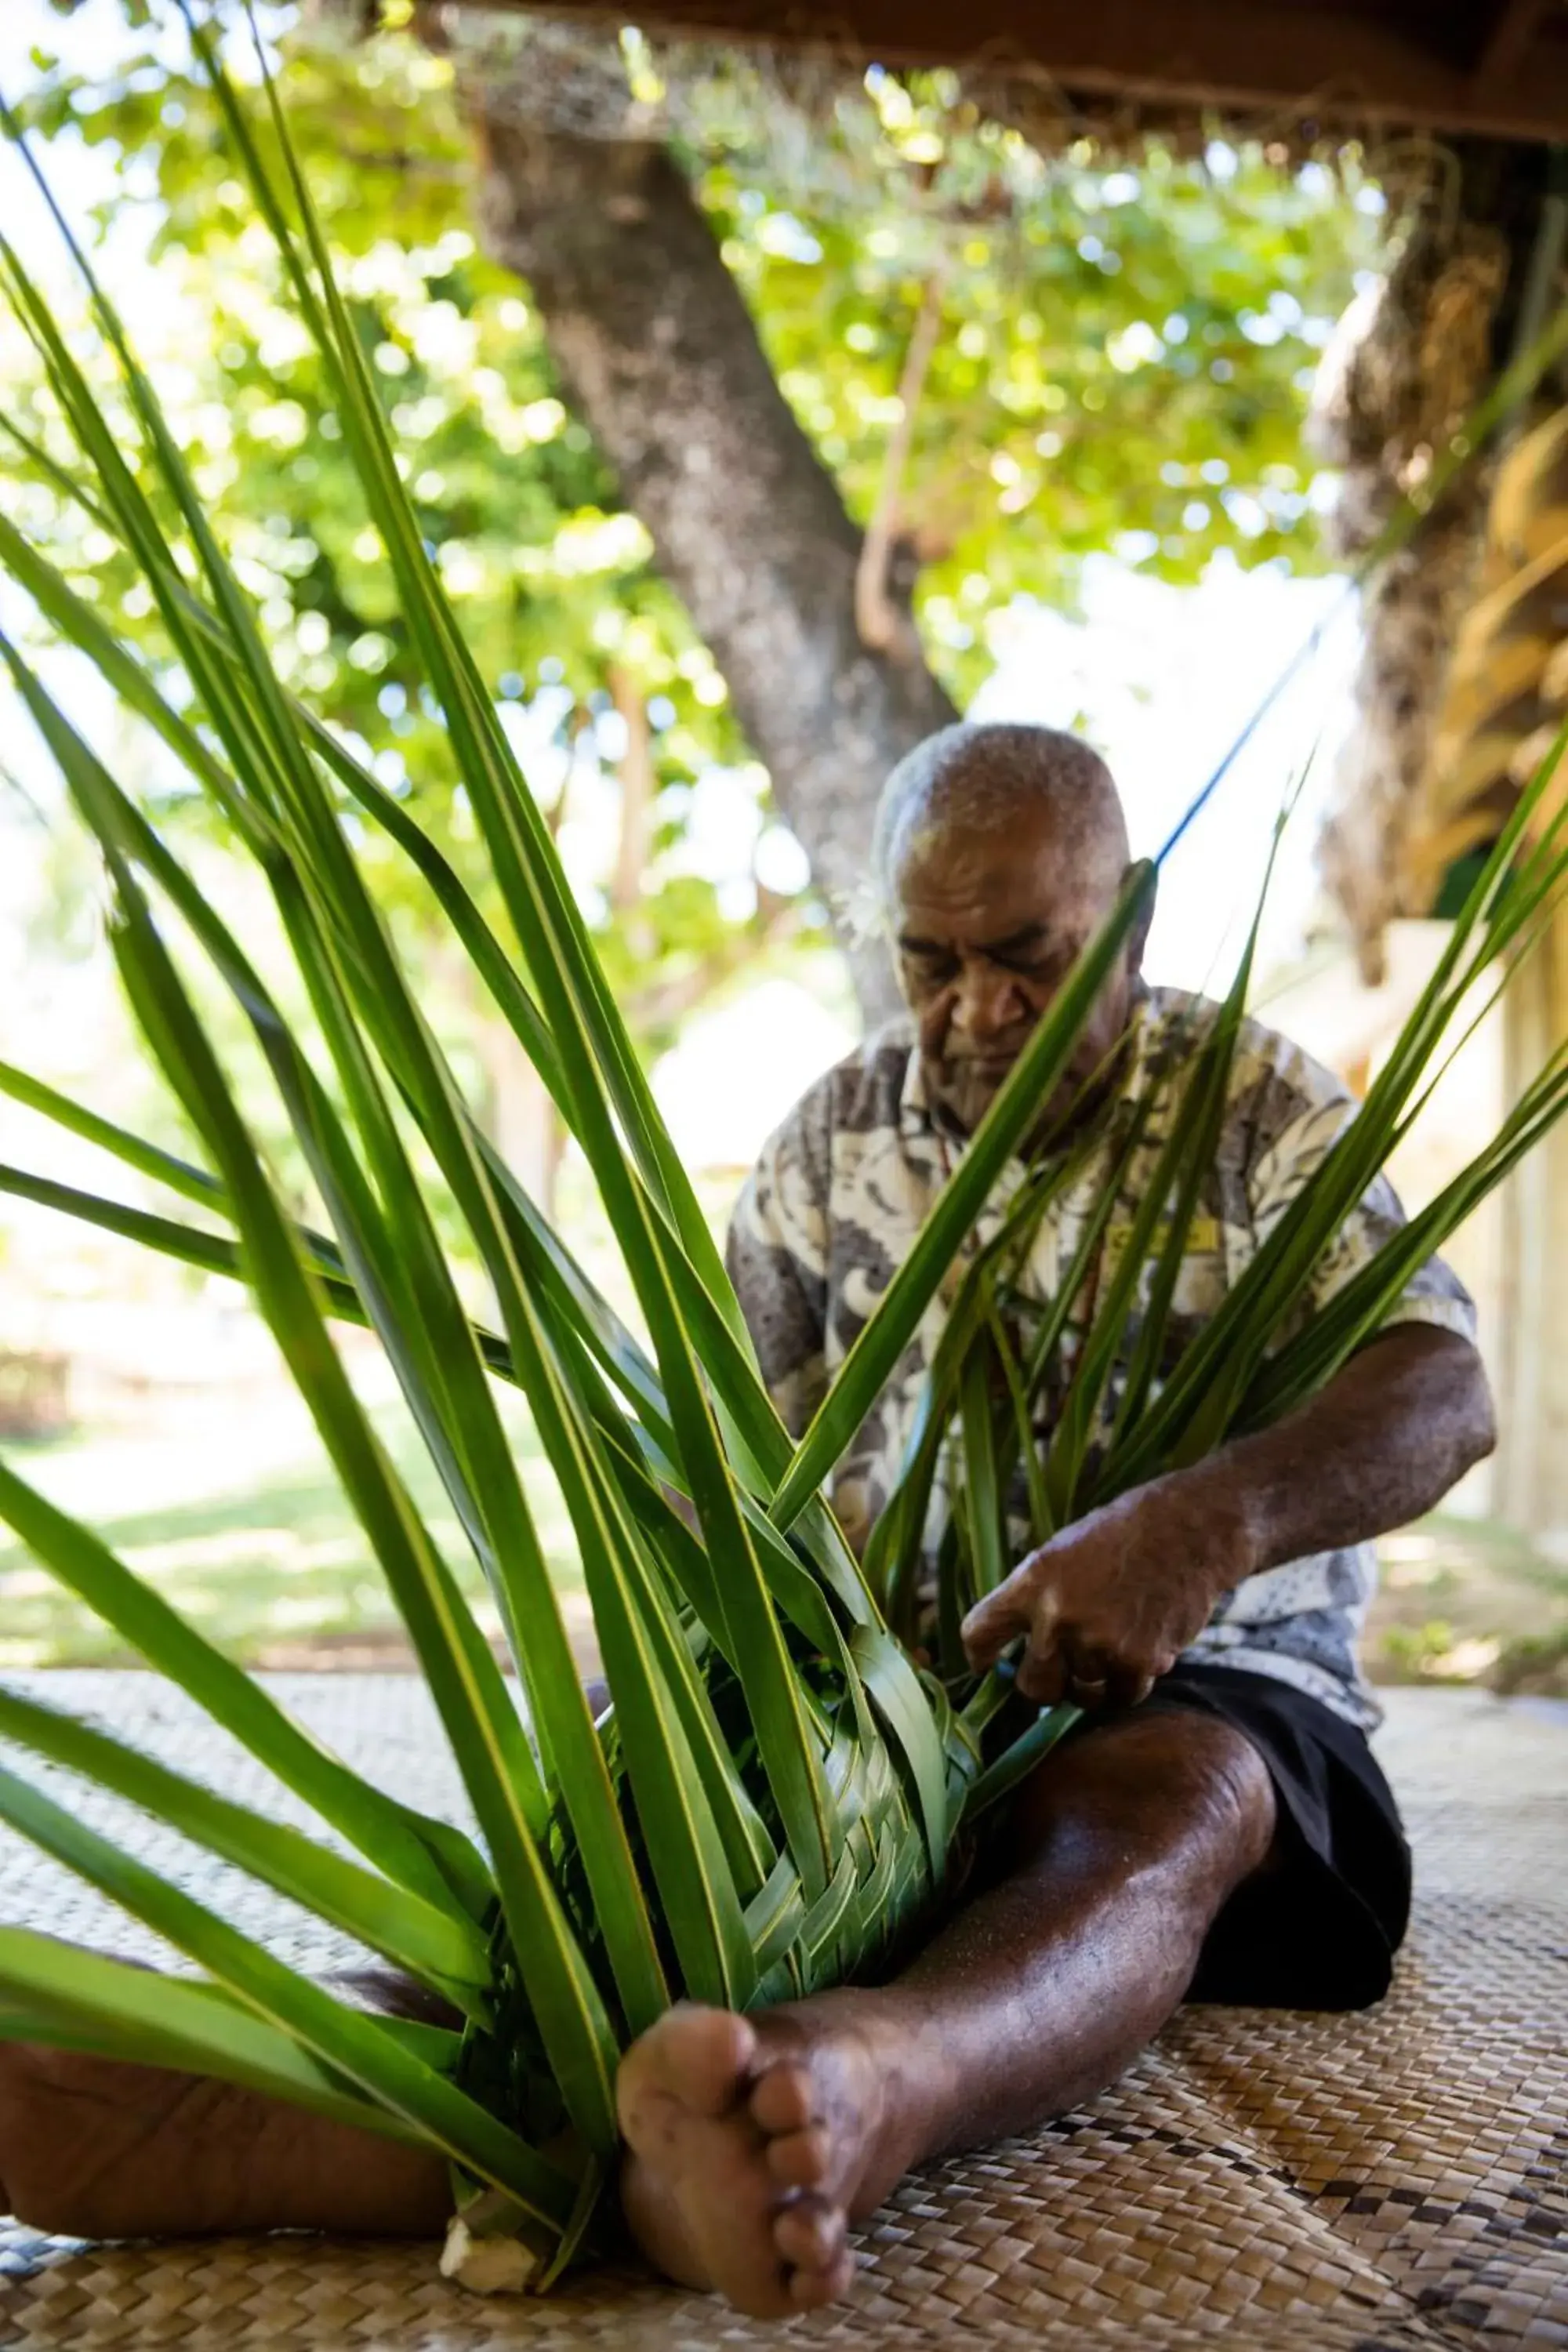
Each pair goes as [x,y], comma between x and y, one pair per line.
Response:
[659,357]
[1531,1488]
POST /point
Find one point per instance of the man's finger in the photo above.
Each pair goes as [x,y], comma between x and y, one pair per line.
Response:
[998,1620]
[1043,1677]
[1043,1666]
[1091,1675]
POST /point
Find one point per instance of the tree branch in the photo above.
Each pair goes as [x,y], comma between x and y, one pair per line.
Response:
[884,625]
[670,999]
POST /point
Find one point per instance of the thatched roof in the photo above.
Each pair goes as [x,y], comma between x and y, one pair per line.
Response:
[1497,67]
[1506,692]
[1464,676]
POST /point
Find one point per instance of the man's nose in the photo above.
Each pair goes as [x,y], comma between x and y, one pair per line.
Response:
[989,1004]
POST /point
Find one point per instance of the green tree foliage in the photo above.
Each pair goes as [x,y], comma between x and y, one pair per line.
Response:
[1122,365]
[561,606]
[1126,348]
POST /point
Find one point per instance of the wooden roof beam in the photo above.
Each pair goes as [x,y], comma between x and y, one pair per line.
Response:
[1505,40]
[1331,63]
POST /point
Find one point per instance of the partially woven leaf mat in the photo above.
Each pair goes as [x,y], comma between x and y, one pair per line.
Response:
[1383,2183]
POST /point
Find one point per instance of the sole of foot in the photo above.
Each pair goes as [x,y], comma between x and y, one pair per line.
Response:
[749,2142]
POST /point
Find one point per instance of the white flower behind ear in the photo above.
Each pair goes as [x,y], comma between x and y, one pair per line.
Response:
[861,913]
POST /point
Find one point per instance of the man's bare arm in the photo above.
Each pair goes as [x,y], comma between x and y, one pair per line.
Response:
[1403,1420]
[1110,1603]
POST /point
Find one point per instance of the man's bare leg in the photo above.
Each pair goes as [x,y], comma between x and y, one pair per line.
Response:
[751,2141]
[92,2148]
[755,2141]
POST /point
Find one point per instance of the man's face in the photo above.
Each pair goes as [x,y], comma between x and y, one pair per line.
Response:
[989,925]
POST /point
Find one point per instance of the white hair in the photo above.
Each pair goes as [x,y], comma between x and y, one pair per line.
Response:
[976,775]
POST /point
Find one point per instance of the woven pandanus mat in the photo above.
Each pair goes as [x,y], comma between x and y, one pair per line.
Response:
[1389,2182]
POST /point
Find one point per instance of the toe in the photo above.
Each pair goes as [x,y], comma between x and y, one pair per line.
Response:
[785,2099]
[705,2054]
[808,2290]
[801,2159]
[697,2058]
[809,2233]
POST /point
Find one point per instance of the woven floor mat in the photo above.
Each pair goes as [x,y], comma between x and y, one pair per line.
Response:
[1392,2182]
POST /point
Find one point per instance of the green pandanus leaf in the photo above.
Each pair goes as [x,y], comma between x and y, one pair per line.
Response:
[447,1954]
[383,2068]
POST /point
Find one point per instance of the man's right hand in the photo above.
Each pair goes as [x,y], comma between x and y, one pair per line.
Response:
[1107,1605]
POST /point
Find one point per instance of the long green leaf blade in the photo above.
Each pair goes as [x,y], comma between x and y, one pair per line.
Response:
[57,1993]
[446,1953]
[429,1857]
[352,2043]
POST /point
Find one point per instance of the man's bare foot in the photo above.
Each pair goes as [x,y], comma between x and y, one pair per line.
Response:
[91,2148]
[753,2142]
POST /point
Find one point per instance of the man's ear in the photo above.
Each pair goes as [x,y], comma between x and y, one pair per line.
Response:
[1137,937]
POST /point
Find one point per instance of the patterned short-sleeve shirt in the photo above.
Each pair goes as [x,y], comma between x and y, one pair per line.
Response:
[842,1189]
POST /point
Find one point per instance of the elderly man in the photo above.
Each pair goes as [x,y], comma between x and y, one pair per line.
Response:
[1216,1828]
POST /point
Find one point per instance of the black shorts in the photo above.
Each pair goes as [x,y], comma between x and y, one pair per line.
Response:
[1317,1928]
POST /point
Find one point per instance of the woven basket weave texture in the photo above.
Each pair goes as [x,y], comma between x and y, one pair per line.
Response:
[1392,2182]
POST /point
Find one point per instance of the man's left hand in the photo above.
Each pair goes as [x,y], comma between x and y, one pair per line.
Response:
[1109,1605]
